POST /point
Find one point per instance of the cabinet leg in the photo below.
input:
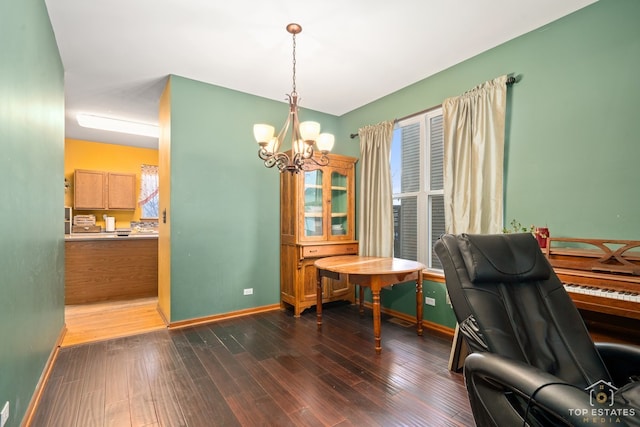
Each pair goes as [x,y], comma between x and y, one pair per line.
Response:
[419,304]
[319,298]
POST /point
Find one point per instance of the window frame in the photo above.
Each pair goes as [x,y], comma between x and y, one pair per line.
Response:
[425,193]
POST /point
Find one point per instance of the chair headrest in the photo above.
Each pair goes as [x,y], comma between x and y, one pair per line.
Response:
[503,257]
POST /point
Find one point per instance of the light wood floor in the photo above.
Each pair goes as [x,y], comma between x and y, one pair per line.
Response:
[115,319]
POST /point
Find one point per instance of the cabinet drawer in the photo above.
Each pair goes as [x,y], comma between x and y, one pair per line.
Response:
[329,250]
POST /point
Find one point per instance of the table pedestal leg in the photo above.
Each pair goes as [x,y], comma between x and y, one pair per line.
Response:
[376,318]
[361,299]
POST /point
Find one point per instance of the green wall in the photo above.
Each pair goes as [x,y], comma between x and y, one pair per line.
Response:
[31,182]
[573,145]
[225,205]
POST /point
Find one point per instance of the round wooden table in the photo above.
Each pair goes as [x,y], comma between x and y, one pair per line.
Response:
[375,273]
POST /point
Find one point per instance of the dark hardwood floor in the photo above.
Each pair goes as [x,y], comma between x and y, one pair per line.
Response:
[266,369]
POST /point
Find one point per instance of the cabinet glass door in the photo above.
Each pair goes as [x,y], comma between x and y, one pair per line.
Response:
[313,210]
[339,204]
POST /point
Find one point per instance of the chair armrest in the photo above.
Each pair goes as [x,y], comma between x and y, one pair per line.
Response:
[492,380]
[622,361]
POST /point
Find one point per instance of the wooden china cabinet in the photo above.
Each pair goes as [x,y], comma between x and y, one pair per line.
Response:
[317,208]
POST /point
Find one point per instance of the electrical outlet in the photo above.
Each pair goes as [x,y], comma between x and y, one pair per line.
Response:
[248,291]
[4,415]
[430,301]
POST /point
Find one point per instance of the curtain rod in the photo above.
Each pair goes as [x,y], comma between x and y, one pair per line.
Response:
[510,80]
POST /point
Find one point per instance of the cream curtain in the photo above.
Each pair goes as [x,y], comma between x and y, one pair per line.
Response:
[375,215]
[473,158]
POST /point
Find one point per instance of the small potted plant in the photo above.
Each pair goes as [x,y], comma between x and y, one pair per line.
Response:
[540,233]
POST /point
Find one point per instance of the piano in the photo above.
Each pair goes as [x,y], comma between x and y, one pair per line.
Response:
[600,275]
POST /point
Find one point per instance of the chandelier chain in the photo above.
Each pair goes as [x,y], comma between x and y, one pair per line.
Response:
[294,66]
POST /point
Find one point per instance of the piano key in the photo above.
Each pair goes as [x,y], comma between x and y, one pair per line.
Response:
[603,292]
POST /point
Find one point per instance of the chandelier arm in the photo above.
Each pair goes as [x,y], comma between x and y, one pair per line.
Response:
[281,160]
[282,165]
[298,161]
[283,131]
[263,154]
[308,151]
[269,163]
[293,114]
[323,160]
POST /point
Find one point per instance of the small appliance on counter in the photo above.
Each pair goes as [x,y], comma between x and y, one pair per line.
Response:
[109,224]
[123,232]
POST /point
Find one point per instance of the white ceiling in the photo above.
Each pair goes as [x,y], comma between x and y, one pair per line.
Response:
[118,53]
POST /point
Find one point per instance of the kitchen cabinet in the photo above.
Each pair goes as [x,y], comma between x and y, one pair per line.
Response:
[99,190]
[121,191]
[109,269]
[317,208]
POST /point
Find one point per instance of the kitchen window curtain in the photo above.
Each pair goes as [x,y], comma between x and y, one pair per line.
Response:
[474,126]
[375,216]
[149,184]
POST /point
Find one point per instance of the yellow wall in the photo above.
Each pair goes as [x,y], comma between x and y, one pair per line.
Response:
[80,154]
[164,228]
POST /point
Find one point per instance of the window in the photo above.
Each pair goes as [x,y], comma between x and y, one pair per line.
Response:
[418,191]
[148,200]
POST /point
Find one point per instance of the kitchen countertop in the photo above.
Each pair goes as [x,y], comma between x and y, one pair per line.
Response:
[108,236]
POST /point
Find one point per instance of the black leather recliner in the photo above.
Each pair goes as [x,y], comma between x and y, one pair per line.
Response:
[533,361]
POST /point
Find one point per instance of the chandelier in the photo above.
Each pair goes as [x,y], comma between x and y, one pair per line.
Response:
[303,135]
